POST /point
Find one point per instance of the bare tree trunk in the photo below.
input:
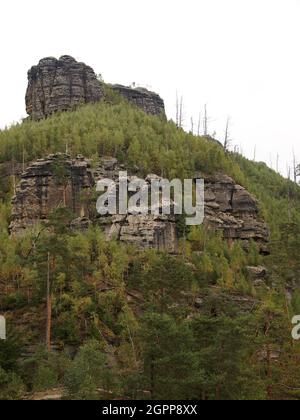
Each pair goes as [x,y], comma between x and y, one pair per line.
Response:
[227,136]
[288,172]
[199,125]
[205,121]
[294,167]
[289,195]
[181,113]
[177,110]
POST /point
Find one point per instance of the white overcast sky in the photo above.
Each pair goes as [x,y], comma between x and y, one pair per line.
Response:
[240,57]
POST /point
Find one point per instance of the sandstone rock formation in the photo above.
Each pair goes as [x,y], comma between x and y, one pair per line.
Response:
[63,84]
[233,210]
[47,184]
[60,85]
[42,189]
[58,180]
[149,102]
[145,231]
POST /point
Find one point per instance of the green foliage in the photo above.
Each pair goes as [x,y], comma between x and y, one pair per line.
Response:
[225,345]
[171,363]
[161,278]
[143,324]
[120,130]
[89,373]
[11,386]
[10,351]
[44,371]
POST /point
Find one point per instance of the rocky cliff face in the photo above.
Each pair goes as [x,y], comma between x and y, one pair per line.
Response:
[233,210]
[145,231]
[149,102]
[58,180]
[47,184]
[61,85]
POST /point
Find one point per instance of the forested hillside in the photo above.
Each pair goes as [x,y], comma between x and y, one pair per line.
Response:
[139,324]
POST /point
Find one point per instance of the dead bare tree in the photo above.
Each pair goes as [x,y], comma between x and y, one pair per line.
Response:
[298,171]
[199,125]
[227,139]
[177,110]
[254,155]
[192,125]
[277,163]
[181,113]
[205,122]
[289,193]
[236,150]
[288,170]
[295,174]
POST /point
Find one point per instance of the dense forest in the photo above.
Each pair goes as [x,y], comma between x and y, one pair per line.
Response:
[136,324]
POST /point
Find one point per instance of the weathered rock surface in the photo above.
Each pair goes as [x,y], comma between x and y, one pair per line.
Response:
[149,102]
[60,85]
[233,210]
[145,231]
[228,206]
[47,184]
[257,273]
[41,190]
[63,84]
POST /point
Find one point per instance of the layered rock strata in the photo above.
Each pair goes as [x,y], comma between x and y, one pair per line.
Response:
[149,102]
[64,84]
[60,85]
[59,180]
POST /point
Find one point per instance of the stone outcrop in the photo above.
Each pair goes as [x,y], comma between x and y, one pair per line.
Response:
[63,84]
[43,188]
[233,210]
[257,273]
[145,231]
[149,102]
[47,184]
[60,85]
[58,180]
